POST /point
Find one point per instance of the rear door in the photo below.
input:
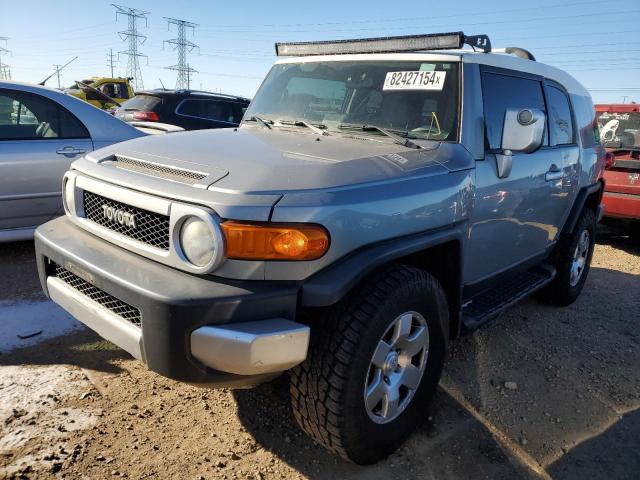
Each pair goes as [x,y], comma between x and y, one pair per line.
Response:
[38,141]
[564,148]
[516,218]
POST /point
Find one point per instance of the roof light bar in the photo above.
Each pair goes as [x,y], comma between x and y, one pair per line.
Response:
[408,43]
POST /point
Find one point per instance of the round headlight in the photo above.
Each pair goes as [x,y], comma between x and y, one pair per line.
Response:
[197,241]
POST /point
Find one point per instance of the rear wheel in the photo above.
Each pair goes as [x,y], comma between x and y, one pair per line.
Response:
[572,260]
[373,365]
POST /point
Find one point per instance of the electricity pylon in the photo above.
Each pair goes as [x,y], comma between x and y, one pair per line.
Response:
[135,39]
[182,45]
[5,70]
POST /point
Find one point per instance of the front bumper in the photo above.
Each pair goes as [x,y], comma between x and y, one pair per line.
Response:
[621,205]
[189,328]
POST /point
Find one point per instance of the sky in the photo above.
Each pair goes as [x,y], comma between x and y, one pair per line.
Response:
[596,41]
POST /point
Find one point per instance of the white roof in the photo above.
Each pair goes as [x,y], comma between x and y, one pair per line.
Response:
[501,60]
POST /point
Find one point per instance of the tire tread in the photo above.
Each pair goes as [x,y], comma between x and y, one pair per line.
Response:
[318,383]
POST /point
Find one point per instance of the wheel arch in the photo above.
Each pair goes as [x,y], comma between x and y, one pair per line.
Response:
[443,261]
[438,253]
[588,197]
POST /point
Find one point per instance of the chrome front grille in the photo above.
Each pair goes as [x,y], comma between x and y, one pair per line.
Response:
[149,227]
[189,177]
[124,310]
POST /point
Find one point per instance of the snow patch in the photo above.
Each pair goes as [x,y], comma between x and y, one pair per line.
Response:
[31,400]
[28,317]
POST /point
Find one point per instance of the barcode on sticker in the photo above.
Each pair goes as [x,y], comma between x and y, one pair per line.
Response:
[414,80]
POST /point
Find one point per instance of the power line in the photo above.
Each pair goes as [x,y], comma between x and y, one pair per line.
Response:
[418,19]
[600,15]
[621,89]
[135,39]
[62,33]
[182,46]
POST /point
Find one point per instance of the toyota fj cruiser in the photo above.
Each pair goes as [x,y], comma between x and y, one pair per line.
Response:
[380,197]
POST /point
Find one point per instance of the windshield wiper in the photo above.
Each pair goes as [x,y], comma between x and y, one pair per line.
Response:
[264,122]
[318,129]
[400,140]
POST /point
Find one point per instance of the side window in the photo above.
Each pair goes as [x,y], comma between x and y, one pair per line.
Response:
[190,108]
[587,122]
[70,126]
[501,92]
[121,90]
[560,120]
[219,111]
[109,89]
[27,116]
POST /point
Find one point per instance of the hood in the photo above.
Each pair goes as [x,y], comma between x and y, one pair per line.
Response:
[255,160]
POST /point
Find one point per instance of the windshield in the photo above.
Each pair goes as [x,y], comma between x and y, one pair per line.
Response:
[620,129]
[415,99]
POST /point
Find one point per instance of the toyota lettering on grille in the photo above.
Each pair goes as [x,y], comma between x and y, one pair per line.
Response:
[114,214]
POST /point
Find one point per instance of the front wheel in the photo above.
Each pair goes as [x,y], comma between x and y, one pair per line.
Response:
[374,364]
[572,260]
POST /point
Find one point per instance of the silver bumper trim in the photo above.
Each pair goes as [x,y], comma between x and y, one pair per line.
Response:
[250,348]
[99,319]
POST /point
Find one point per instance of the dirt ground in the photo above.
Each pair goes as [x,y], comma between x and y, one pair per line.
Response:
[74,406]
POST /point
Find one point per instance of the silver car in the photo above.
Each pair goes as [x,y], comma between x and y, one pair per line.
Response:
[41,132]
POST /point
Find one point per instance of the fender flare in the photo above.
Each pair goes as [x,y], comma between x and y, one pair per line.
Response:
[329,285]
[581,199]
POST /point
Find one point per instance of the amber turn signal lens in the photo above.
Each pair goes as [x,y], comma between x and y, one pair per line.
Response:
[274,241]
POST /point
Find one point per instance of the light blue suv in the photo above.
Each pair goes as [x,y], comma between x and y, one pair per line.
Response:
[380,197]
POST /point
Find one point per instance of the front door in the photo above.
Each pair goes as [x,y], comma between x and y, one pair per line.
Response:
[38,141]
[518,218]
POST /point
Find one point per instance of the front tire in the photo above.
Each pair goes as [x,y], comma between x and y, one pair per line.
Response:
[374,364]
[572,260]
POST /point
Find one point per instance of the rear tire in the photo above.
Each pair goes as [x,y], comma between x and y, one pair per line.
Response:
[572,260]
[334,392]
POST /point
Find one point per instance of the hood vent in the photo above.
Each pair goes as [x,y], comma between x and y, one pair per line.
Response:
[190,177]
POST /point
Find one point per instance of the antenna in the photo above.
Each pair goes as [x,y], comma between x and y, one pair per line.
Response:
[182,45]
[161,83]
[135,39]
[57,70]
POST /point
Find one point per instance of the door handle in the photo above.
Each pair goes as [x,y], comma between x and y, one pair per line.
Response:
[554,173]
[70,151]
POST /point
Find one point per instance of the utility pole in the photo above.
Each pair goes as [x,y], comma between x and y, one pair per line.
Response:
[182,45]
[57,70]
[5,70]
[624,98]
[110,58]
[135,40]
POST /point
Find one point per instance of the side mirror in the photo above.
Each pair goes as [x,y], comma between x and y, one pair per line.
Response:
[523,131]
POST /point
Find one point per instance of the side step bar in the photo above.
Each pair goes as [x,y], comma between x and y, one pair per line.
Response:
[486,305]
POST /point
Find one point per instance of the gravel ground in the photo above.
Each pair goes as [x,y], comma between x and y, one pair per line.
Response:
[540,393]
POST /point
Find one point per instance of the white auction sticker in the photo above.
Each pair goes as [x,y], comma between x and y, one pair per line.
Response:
[415,80]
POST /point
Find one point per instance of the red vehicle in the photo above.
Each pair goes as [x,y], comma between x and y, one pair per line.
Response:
[620,134]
